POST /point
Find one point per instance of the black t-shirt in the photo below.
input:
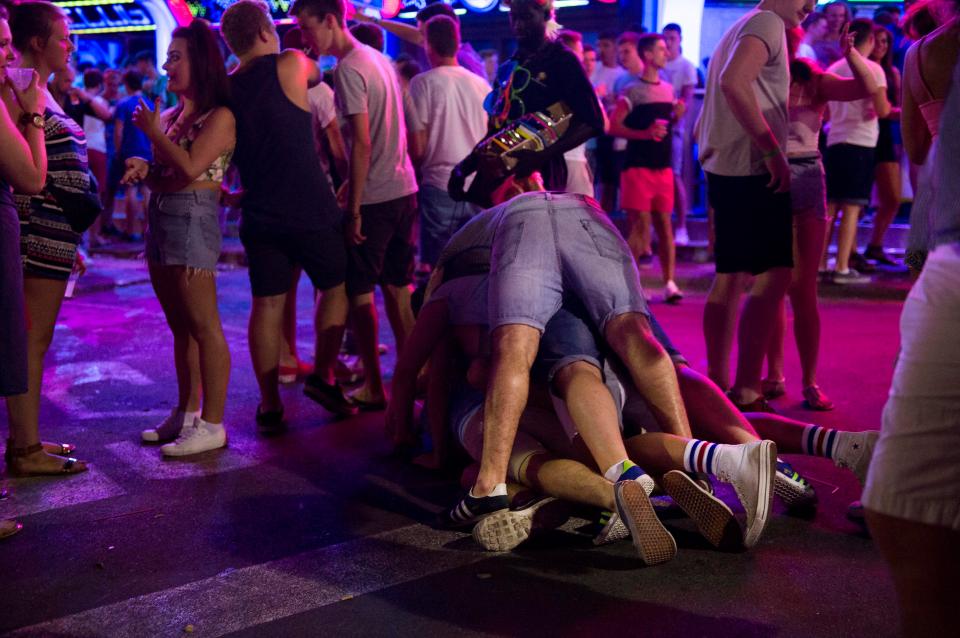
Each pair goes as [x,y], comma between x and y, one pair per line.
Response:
[552,74]
[649,101]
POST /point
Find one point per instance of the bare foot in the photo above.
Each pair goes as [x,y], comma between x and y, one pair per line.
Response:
[42,463]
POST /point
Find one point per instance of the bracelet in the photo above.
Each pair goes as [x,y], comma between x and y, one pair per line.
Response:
[770,154]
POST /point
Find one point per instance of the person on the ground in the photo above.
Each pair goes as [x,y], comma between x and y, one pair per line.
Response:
[23,167]
[446,119]
[608,159]
[850,158]
[381,192]
[192,146]
[887,172]
[48,239]
[645,115]
[289,213]
[682,75]
[129,141]
[810,90]
[541,73]
[742,132]
[912,500]
[828,47]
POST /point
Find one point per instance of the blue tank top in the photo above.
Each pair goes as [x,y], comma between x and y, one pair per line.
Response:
[284,187]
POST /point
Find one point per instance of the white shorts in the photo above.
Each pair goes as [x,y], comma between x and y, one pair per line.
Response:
[915,471]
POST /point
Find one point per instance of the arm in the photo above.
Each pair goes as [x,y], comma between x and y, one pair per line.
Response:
[359,168]
[438,401]
[117,135]
[338,150]
[404,31]
[428,330]
[881,105]
[216,138]
[418,146]
[834,88]
[897,92]
[619,129]
[916,135]
[297,73]
[97,104]
[24,160]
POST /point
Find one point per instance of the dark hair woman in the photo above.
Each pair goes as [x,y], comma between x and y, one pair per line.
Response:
[192,144]
[887,171]
[49,240]
[23,166]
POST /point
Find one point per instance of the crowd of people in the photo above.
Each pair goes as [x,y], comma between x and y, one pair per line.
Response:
[532,343]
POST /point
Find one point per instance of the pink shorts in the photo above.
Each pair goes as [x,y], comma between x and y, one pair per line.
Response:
[647,190]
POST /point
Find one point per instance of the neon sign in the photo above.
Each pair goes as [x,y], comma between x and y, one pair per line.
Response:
[212,10]
[119,17]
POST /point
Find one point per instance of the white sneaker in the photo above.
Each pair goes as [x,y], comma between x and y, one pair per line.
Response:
[681,237]
[672,293]
[196,438]
[504,530]
[168,430]
[751,470]
[854,451]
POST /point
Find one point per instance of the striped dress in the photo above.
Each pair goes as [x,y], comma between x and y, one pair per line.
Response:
[48,245]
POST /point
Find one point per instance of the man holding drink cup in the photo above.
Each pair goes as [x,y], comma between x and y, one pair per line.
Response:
[645,113]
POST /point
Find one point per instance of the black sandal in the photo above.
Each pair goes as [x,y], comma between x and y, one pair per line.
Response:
[69,464]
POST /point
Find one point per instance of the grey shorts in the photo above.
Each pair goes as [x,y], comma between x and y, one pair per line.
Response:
[184,229]
[808,187]
[548,244]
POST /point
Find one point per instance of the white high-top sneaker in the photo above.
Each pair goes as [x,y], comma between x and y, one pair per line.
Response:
[750,469]
[196,438]
[854,451]
[168,429]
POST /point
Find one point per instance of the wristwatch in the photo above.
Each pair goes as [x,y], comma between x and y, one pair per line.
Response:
[32,118]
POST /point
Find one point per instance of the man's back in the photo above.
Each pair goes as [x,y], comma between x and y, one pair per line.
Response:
[283,185]
[855,122]
[447,103]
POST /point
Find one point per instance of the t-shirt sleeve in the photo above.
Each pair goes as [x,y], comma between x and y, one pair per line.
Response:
[414,105]
[577,91]
[351,91]
[325,110]
[768,28]
[880,76]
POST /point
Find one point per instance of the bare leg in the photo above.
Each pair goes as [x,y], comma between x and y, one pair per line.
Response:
[665,246]
[568,480]
[198,296]
[635,235]
[263,333]
[847,236]
[756,326]
[650,368]
[832,208]
[719,324]
[785,432]
[366,329]
[43,298]
[803,295]
[330,321]
[396,302]
[712,416]
[186,355]
[888,192]
[593,411]
[680,200]
[646,238]
[288,347]
[923,560]
[775,349]
[513,349]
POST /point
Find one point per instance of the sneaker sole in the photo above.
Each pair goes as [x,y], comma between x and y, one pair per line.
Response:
[654,543]
[768,470]
[504,530]
[792,496]
[178,453]
[339,409]
[714,519]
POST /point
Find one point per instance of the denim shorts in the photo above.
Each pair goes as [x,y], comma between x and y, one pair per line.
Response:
[440,218]
[808,187]
[548,244]
[183,229]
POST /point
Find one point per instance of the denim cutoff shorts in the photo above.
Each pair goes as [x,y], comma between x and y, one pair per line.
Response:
[549,244]
[184,229]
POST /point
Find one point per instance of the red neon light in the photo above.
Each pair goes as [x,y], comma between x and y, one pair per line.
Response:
[390,8]
[181,12]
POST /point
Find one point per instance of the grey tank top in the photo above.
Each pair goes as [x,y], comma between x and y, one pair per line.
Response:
[946,210]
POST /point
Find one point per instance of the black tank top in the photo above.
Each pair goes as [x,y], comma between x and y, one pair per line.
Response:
[284,187]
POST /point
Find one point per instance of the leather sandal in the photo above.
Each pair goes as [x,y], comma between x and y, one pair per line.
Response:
[59,449]
[69,465]
[815,399]
[773,388]
[757,405]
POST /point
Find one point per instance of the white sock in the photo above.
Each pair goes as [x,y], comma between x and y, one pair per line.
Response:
[188,418]
[499,490]
[209,426]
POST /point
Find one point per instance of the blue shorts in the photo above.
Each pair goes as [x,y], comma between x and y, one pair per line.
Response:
[183,229]
[548,244]
[440,218]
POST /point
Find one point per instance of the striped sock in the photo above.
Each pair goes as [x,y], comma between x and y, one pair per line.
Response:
[625,470]
[819,441]
[701,456]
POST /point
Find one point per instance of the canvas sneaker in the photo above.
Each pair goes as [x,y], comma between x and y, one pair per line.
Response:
[198,437]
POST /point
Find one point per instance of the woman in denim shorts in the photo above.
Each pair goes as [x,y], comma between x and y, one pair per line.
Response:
[810,90]
[192,143]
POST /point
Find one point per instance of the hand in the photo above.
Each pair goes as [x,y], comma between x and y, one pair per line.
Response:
[679,110]
[343,193]
[528,162]
[352,231]
[657,131]
[31,99]
[846,41]
[146,120]
[79,264]
[136,171]
[779,169]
